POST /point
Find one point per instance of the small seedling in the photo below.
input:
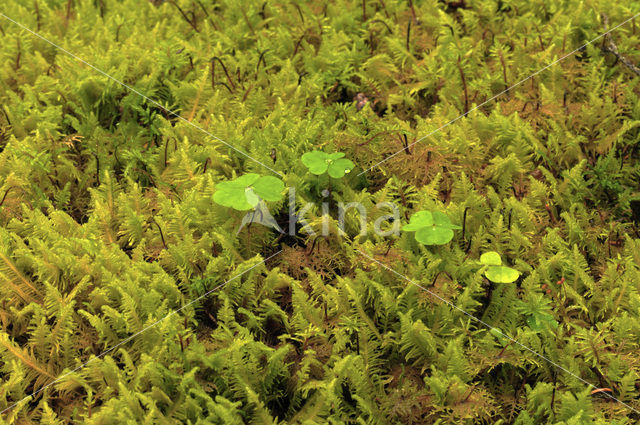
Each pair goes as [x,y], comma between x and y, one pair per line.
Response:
[496,272]
[432,228]
[334,164]
[245,192]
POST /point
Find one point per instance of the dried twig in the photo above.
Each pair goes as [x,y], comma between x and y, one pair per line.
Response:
[610,46]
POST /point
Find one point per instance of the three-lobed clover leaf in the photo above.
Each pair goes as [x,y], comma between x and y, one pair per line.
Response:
[496,272]
[319,162]
[432,228]
[245,192]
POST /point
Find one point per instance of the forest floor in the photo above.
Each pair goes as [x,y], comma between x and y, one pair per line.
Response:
[358,212]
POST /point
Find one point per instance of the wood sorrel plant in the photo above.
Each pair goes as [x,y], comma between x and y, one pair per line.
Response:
[432,228]
[496,272]
[334,164]
[245,192]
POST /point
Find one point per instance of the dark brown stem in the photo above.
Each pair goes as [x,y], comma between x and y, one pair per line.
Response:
[261,59]
[118,32]
[405,143]
[413,11]
[97,169]
[408,35]
[5,195]
[364,10]
[297,46]
[222,83]
[160,230]
[146,173]
[539,38]
[464,222]
[313,245]
[504,348]
[68,16]
[184,15]
[466,251]
[299,12]
[438,275]
[224,68]
[383,23]
[35,6]
[207,15]
[464,85]
[246,93]
[389,244]
[552,218]
[468,395]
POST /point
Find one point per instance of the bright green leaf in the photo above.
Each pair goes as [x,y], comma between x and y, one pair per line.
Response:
[419,220]
[245,192]
[269,188]
[501,274]
[316,162]
[432,235]
[491,258]
[432,228]
[319,162]
[338,168]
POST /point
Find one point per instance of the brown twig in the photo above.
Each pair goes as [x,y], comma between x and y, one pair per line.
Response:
[611,47]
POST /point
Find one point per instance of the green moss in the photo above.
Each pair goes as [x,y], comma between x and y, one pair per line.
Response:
[115,213]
